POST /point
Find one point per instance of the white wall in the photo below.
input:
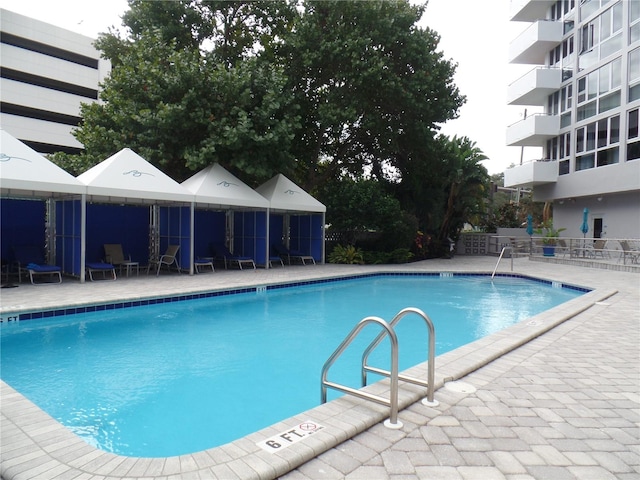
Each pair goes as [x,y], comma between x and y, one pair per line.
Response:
[620,214]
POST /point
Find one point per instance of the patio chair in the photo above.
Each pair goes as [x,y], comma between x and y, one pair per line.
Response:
[104,268]
[222,253]
[199,263]
[169,258]
[290,255]
[599,249]
[628,251]
[29,259]
[114,255]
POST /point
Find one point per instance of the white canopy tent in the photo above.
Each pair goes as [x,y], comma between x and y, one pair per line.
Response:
[216,188]
[127,178]
[26,174]
[287,198]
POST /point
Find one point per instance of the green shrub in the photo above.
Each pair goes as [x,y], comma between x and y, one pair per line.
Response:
[346,254]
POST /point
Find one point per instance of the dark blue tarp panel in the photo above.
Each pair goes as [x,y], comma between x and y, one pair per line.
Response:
[175,229]
[22,223]
[209,227]
[305,234]
[317,239]
[127,225]
[249,235]
[276,231]
[68,235]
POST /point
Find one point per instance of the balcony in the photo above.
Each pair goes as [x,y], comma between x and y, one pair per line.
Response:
[532,45]
[534,87]
[531,174]
[529,10]
[533,131]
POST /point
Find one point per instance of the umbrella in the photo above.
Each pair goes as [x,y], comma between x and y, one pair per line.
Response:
[584,228]
[529,225]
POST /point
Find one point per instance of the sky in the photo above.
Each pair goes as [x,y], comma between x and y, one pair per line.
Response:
[475,34]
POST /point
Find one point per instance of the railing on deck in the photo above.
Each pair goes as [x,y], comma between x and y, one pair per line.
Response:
[610,250]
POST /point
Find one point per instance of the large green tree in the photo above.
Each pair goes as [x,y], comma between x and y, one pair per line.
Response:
[371,86]
[183,107]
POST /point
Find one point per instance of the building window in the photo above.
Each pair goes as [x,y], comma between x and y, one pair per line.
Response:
[634,22]
[598,143]
[602,36]
[634,74]
[600,90]
[633,139]
[559,148]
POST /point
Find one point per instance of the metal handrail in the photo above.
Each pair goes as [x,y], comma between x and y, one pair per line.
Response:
[500,258]
[430,355]
[392,403]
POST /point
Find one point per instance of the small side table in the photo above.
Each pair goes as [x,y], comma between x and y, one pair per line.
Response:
[129,266]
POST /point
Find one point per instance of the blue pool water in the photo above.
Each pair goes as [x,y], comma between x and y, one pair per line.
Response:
[180,377]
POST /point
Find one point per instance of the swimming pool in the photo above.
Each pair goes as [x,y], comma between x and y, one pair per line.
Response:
[80,368]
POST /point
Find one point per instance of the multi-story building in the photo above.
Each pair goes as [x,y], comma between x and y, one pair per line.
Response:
[46,72]
[586,84]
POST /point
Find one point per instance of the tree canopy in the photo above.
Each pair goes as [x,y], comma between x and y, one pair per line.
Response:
[323,91]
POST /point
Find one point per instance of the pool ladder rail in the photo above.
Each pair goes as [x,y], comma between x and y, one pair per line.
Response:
[394,376]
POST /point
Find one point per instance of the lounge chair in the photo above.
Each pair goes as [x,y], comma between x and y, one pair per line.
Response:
[202,263]
[114,255]
[30,260]
[290,255]
[104,268]
[221,252]
[169,258]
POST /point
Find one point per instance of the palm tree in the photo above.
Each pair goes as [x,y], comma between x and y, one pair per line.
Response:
[466,184]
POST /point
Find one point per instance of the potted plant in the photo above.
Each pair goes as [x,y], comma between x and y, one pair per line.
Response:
[550,237]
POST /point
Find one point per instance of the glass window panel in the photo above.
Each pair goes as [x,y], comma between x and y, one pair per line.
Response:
[580,140]
[585,161]
[617,17]
[633,124]
[567,144]
[633,151]
[591,136]
[634,11]
[582,87]
[592,85]
[634,65]
[587,111]
[602,133]
[565,120]
[610,101]
[634,92]
[563,167]
[614,129]
[603,79]
[616,73]
[609,156]
[611,46]
[605,25]
[634,31]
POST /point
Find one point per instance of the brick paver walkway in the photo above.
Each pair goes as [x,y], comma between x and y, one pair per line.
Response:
[566,405]
[563,407]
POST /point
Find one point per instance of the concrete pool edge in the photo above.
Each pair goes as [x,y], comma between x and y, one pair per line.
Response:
[47,446]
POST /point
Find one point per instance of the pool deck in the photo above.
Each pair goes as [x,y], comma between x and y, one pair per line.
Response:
[555,397]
